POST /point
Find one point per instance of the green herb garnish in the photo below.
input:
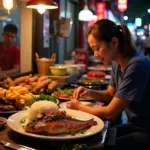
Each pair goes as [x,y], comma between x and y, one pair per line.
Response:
[23,121]
[67,92]
[83,131]
[74,147]
[48,119]
[43,113]
[54,117]
[72,133]
[80,147]
[33,120]
[43,97]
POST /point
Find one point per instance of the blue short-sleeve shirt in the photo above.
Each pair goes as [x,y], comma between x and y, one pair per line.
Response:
[133,83]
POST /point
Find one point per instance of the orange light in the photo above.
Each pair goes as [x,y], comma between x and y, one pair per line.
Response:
[8,5]
[145,27]
[122,5]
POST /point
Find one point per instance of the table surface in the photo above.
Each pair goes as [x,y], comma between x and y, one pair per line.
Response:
[8,135]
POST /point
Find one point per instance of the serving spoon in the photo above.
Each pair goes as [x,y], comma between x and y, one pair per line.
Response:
[15,146]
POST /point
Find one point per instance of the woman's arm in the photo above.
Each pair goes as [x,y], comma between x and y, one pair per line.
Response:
[115,107]
[14,70]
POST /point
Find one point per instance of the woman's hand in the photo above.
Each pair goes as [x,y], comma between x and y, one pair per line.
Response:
[73,104]
[81,92]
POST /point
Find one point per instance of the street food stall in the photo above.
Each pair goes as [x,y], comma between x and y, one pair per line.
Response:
[43,94]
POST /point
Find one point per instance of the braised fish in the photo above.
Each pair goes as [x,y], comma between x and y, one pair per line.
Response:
[56,124]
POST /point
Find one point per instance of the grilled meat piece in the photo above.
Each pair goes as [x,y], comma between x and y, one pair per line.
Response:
[7,108]
[59,125]
[3,100]
[10,104]
[15,103]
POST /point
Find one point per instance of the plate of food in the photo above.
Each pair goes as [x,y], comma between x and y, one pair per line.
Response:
[66,94]
[107,77]
[9,106]
[17,100]
[14,99]
[44,120]
[7,109]
[93,82]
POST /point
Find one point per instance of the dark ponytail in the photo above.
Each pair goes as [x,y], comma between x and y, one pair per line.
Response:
[105,30]
[128,46]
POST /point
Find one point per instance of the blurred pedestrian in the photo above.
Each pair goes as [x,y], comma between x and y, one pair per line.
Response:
[139,44]
[147,45]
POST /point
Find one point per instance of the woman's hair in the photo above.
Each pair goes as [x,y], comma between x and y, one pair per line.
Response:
[105,30]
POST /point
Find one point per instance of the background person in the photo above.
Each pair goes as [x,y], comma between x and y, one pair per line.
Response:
[139,44]
[128,88]
[147,45]
[9,53]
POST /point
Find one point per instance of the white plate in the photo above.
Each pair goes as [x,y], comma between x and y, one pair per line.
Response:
[107,77]
[14,122]
[92,104]
[8,112]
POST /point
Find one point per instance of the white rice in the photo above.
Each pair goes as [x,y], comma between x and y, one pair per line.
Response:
[41,106]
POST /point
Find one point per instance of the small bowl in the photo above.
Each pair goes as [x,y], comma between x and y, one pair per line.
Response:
[71,69]
[82,68]
[58,70]
[2,122]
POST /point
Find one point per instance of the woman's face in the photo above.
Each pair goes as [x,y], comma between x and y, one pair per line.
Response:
[102,50]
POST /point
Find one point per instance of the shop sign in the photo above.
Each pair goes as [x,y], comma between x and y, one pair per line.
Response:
[100,10]
[138,22]
[65,27]
[122,5]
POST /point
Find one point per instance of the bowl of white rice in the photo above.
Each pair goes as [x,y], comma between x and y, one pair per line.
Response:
[40,107]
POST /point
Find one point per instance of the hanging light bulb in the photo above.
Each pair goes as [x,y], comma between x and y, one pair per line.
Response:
[8,5]
[41,9]
[95,17]
[42,5]
[85,14]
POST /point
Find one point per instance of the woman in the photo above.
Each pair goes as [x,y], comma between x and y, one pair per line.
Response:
[129,85]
